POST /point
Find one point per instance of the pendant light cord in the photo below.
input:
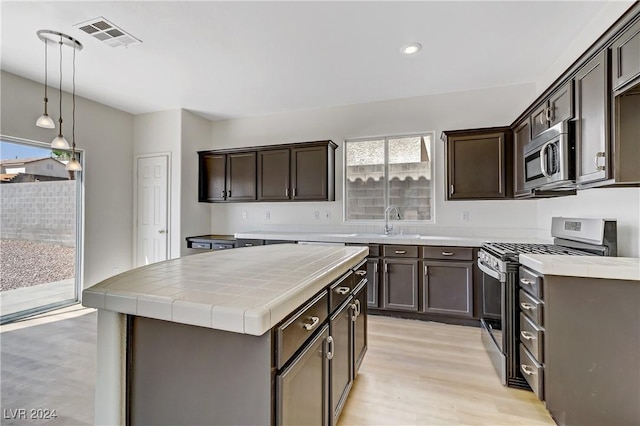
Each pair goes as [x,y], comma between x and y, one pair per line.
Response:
[45,71]
[73,107]
[60,119]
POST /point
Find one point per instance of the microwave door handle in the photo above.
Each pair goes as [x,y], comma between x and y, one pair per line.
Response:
[543,163]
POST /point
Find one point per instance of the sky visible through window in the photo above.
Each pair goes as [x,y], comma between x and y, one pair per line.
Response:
[10,151]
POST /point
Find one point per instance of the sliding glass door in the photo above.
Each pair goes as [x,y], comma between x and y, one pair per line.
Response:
[40,232]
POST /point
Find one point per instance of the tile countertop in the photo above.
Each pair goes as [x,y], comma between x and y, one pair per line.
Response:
[372,238]
[247,290]
[615,268]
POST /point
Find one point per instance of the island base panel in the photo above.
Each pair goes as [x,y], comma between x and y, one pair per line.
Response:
[181,374]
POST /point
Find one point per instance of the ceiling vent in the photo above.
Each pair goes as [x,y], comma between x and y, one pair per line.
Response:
[107,32]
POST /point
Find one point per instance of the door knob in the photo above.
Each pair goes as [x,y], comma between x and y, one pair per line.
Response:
[162,231]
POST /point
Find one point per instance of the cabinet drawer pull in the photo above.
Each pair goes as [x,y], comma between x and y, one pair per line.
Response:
[527,306]
[527,335]
[549,114]
[286,192]
[329,347]
[229,194]
[401,251]
[358,307]
[527,370]
[598,156]
[314,322]
[386,268]
[248,245]
[361,273]
[295,192]
[342,290]
[426,270]
[221,194]
[543,116]
[526,281]
[375,267]
[447,253]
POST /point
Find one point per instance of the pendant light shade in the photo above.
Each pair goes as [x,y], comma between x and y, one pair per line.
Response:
[59,142]
[45,121]
[73,165]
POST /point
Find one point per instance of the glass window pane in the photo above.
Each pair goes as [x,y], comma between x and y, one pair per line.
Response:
[410,185]
[365,179]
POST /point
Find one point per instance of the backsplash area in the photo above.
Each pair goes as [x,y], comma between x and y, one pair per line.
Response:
[622,204]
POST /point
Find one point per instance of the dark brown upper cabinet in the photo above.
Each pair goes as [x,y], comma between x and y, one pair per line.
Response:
[273,175]
[592,127]
[241,176]
[521,137]
[212,185]
[292,172]
[556,108]
[625,53]
[479,164]
[312,173]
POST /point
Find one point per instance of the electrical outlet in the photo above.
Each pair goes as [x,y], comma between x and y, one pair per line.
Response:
[465,216]
[244,214]
[327,215]
[316,215]
[267,215]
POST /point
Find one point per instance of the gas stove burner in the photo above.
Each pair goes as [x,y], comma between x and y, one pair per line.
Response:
[508,250]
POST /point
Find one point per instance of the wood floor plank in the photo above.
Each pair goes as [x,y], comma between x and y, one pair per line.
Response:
[427,373]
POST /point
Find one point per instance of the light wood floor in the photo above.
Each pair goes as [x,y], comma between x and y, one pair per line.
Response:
[427,373]
[414,373]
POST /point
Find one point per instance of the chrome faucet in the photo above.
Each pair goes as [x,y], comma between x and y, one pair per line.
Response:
[388,228]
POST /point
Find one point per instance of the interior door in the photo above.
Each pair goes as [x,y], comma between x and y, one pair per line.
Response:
[152,241]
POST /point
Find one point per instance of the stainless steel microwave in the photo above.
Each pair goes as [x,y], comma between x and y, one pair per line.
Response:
[549,159]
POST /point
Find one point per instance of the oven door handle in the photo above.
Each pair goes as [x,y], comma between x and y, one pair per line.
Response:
[492,273]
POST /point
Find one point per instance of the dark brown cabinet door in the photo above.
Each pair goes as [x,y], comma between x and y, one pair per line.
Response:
[241,176]
[521,137]
[556,108]
[341,363]
[477,165]
[448,288]
[212,185]
[626,57]
[302,388]
[359,318]
[592,129]
[373,282]
[309,173]
[400,284]
[273,175]
[538,120]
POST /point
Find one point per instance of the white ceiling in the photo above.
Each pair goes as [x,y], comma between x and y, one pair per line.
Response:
[232,59]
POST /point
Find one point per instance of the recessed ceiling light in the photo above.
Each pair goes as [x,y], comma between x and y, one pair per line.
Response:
[411,48]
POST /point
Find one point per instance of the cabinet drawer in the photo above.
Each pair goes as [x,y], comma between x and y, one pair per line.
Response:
[374,250]
[292,334]
[222,246]
[360,271]
[206,246]
[243,242]
[531,307]
[531,336]
[340,290]
[447,253]
[530,282]
[400,251]
[532,371]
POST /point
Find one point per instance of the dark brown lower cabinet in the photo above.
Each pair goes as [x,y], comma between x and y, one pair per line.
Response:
[340,330]
[373,282]
[447,288]
[359,319]
[302,389]
[400,284]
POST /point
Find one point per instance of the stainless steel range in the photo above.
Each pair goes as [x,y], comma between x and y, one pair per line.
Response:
[500,284]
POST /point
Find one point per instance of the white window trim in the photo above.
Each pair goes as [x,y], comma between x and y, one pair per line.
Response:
[386,167]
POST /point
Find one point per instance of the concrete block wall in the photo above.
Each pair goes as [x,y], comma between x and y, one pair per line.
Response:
[39,211]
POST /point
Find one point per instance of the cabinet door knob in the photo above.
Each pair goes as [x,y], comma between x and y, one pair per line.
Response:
[527,370]
[354,316]
[447,253]
[598,166]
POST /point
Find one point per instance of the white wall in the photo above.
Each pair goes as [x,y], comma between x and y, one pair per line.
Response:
[195,217]
[106,136]
[159,133]
[622,204]
[479,108]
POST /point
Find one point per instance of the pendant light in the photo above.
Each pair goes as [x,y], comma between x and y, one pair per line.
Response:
[73,164]
[59,142]
[44,120]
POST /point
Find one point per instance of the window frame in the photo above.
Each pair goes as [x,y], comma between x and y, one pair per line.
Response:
[430,150]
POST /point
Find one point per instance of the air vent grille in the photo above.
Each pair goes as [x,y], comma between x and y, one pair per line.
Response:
[107,32]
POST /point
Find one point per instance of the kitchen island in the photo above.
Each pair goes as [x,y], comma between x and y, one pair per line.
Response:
[231,337]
